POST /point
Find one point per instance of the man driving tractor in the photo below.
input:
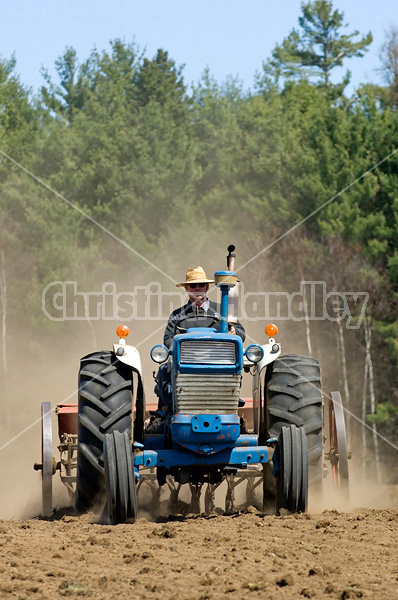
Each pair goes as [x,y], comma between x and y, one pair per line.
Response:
[199,311]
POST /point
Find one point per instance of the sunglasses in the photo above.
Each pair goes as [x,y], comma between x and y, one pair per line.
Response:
[194,285]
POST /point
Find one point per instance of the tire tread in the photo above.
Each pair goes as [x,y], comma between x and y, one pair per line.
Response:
[105,405]
[294,398]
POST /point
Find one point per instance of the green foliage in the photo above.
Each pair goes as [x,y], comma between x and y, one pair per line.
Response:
[392,264]
[384,412]
[218,147]
[160,81]
[389,334]
[70,94]
[19,121]
[318,47]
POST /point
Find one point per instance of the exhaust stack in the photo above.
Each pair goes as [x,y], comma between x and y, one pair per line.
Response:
[233,297]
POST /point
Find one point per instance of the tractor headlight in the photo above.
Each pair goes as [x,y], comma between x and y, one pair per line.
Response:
[254,353]
[159,353]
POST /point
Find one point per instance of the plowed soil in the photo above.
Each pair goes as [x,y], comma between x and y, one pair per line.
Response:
[330,554]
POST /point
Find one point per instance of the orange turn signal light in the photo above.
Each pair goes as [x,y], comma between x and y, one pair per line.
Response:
[122,331]
[271,330]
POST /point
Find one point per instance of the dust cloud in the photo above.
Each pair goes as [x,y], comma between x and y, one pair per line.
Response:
[43,366]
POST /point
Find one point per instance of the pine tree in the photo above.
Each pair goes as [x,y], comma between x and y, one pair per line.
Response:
[317,47]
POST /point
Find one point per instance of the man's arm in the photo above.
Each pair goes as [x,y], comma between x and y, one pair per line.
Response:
[169,333]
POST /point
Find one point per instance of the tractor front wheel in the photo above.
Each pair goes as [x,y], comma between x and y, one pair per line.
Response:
[292,470]
[120,480]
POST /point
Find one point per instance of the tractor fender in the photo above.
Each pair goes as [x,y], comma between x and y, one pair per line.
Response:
[130,356]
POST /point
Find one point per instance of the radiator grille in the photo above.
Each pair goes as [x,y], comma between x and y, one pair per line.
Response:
[203,352]
[207,394]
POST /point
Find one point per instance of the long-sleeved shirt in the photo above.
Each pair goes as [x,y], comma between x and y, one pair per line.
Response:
[192,315]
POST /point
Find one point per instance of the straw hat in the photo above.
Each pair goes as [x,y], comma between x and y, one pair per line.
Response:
[197,275]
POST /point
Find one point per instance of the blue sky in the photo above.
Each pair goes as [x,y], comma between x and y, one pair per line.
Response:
[230,36]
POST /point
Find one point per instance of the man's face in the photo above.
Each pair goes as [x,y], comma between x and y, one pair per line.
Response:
[197,292]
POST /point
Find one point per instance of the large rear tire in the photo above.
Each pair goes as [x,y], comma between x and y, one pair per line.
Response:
[105,404]
[294,397]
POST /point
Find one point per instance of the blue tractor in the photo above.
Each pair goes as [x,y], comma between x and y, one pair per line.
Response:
[201,439]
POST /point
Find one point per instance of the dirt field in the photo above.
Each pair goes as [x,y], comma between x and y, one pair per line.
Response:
[330,554]
[336,551]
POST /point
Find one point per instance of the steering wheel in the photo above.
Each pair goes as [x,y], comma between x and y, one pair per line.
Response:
[215,318]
